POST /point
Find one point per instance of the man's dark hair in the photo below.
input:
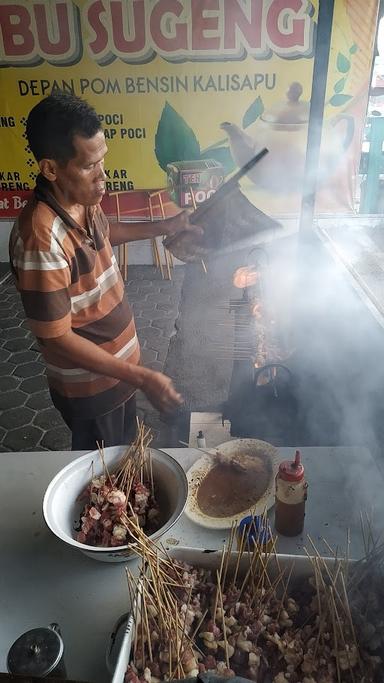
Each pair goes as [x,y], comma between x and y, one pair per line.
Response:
[53,123]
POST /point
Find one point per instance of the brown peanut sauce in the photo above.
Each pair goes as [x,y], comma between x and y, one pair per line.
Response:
[227,489]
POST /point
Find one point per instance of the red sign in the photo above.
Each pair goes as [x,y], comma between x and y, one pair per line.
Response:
[12,202]
[137,205]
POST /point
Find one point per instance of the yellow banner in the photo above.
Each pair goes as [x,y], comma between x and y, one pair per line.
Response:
[205,81]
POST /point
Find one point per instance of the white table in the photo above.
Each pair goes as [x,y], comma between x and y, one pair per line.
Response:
[42,580]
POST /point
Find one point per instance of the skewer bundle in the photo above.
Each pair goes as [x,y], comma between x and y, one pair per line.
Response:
[108,497]
[245,618]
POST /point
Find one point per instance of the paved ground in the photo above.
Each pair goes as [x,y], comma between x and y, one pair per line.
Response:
[28,420]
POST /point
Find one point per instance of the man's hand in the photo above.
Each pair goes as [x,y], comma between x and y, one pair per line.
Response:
[160,391]
[180,223]
[84,353]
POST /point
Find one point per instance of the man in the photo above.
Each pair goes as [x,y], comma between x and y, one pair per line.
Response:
[71,288]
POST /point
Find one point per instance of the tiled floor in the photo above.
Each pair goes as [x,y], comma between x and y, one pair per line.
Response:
[28,420]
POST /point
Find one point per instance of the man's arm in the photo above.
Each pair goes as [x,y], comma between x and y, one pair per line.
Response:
[158,387]
[130,232]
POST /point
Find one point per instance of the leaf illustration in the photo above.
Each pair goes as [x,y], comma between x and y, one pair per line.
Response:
[219,143]
[338,87]
[174,139]
[253,112]
[353,49]
[338,100]
[222,155]
[343,63]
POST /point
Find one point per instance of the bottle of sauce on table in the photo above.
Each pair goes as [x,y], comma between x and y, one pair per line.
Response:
[201,443]
[291,494]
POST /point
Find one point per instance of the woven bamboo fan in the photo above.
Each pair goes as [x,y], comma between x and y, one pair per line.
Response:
[227,218]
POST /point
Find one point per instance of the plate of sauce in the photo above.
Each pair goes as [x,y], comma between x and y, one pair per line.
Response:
[237,478]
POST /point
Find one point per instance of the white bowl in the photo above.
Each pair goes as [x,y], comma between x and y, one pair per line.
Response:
[61,509]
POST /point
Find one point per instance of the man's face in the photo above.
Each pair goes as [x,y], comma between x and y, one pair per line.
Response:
[82,179]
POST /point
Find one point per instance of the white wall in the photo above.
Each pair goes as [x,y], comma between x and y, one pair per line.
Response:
[5,229]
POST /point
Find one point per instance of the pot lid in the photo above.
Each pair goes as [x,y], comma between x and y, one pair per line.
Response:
[291,111]
[35,653]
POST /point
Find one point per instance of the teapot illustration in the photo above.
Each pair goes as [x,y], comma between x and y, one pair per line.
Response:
[283,129]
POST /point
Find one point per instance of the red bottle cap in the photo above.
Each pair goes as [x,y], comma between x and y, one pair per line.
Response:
[292,470]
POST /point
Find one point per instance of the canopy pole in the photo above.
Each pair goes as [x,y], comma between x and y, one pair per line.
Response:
[316,114]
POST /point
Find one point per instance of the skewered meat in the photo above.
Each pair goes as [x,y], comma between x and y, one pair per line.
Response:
[250,627]
[113,497]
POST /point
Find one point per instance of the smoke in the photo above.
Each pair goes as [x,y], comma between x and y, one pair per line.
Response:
[338,355]
[339,344]
[284,173]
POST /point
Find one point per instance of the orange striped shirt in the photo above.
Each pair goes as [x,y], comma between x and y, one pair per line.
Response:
[68,278]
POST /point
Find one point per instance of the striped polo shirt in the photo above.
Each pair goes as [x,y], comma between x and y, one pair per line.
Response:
[68,278]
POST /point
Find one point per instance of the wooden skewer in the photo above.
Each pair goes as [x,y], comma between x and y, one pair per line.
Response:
[232,536]
[268,594]
[285,591]
[151,475]
[322,616]
[348,611]
[223,621]
[219,573]
[337,571]
[331,550]
[371,540]
[170,659]
[341,630]
[198,627]
[129,585]
[255,559]
[137,611]
[184,627]
[363,534]
[193,197]
[335,641]
[147,629]
[334,611]
[347,550]
[177,642]
[240,553]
